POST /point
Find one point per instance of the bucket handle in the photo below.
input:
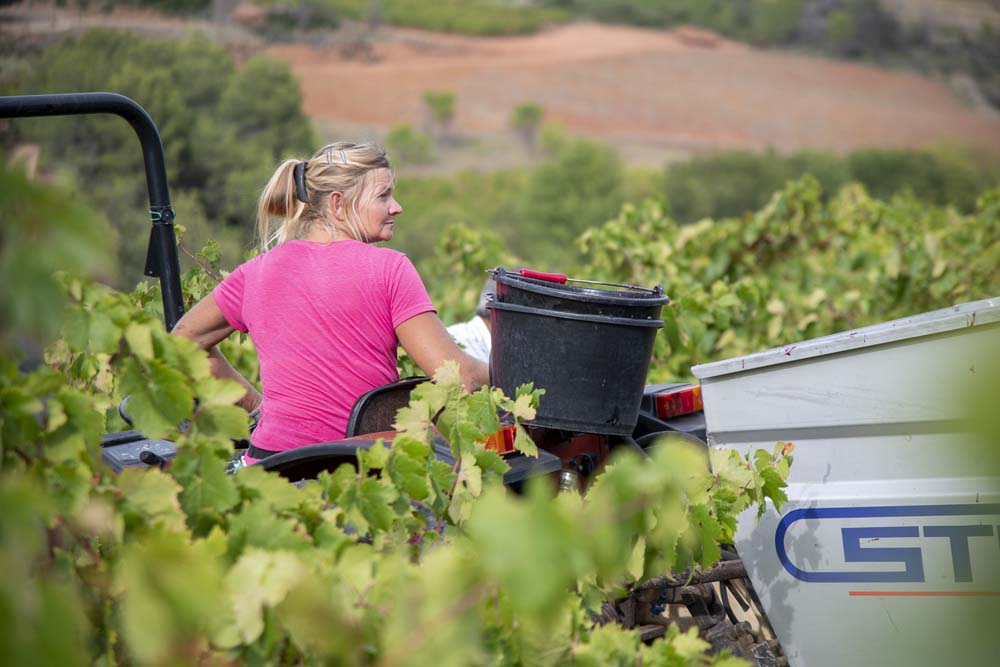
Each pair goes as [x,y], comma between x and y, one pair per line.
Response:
[561,279]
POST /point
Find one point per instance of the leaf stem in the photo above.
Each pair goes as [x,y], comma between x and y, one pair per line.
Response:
[212,273]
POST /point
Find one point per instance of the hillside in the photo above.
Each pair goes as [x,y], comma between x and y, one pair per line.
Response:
[685,89]
[656,95]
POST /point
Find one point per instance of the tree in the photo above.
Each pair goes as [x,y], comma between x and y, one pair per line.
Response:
[581,187]
[223,130]
[262,104]
[441,106]
[526,120]
[408,146]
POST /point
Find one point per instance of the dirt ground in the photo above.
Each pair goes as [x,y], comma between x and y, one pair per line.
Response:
[650,92]
[658,96]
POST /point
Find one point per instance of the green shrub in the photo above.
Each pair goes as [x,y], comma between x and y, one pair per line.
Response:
[761,21]
[735,183]
[839,27]
[441,105]
[945,175]
[284,17]
[578,188]
[470,198]
[723,185]
[773,21]
[472,17]
[804,265]
[408,146]
[171,6]
[526,119]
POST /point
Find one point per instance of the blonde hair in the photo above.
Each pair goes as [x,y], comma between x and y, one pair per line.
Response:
[338,167]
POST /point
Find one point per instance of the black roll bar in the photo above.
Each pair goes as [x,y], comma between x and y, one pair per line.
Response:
[161,255]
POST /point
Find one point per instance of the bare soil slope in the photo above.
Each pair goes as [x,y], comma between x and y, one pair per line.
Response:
[685,90]
[656,95]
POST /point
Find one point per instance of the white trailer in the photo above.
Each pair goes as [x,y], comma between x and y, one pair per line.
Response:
[888,550]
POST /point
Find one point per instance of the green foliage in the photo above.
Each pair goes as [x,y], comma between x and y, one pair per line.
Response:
[171,6]
[461,257]
[471,17]
[223,131]
[578,188]
[773,21]
[44,230]
[401,559]
[739,182]
[760,21]
[839,27]
[261,104]
[796,269]
[441,104]
[947,175]
[472,199]
[286,16]
[406,145]
[537,213]
[526,119]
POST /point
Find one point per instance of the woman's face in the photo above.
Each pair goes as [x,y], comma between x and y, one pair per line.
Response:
[376,206]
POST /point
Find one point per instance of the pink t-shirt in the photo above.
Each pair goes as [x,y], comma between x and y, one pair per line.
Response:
[323,317]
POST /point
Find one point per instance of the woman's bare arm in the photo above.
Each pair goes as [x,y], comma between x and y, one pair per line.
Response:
[426,340]
[207,327]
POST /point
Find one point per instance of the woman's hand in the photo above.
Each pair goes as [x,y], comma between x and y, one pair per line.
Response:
[429,344]
[207,327]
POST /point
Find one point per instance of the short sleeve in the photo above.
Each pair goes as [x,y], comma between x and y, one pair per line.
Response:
[229,297]
[407,294]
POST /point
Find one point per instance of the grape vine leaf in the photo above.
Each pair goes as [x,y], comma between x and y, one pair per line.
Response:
[260,579]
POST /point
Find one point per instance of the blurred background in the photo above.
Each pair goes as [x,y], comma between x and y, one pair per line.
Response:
[518,126]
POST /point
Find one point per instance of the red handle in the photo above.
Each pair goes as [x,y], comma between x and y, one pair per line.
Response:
[538,275]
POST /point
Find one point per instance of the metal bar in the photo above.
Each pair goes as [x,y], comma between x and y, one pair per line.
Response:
[161,260]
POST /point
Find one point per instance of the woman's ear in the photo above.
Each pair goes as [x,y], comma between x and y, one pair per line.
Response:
[337,205]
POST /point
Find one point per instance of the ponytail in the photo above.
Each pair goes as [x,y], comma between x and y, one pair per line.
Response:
[290,207]
[279,212]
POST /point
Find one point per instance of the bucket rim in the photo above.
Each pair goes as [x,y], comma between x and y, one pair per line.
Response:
[493,304]
[655,297]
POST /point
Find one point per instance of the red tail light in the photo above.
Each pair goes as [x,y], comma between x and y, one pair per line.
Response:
[679,401]
[501,442]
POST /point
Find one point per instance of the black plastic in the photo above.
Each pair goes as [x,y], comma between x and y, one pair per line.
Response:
[129,448]
[309,461]
[299,172]
[588,348]
[375,410]
[633,304]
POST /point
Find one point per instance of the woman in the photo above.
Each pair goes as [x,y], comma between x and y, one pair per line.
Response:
[324,307]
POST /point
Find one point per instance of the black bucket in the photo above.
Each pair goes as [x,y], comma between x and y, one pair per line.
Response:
[588,348]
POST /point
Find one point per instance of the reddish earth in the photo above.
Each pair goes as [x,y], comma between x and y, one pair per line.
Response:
[684,90]
[656,95]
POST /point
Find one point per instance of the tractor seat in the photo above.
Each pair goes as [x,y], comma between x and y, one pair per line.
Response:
[375,411]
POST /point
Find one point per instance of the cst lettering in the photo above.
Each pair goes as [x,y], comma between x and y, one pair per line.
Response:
[962,540]
[910,557]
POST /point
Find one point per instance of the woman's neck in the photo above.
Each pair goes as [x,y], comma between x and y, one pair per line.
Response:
[321,235]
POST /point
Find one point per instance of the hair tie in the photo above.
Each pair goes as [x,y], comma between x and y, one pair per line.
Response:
[300,181]
[343,157]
